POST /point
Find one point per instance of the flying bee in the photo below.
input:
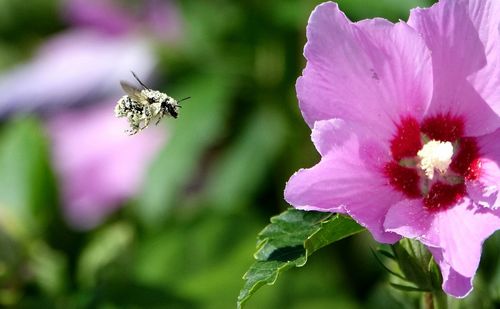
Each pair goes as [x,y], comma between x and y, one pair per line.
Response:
[142,106]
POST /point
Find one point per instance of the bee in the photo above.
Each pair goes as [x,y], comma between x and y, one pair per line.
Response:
[143,106]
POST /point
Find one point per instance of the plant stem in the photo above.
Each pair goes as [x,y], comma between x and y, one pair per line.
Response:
[440,299]
[435,300]
[428,300]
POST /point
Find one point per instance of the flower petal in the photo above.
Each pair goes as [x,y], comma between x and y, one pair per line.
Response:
[73,68]
[369,72]
[408,218]
[453,283]
[104,15]
[486,17]
[464,39]
[342,181]
[328,134]
[460,232]
[158,17]
[99,165]
[485,191]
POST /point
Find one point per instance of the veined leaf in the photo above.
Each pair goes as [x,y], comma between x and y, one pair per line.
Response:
[413,262]
[407,288]
[288,241]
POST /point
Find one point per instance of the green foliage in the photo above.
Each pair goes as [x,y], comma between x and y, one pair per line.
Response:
[184,240]
[260,143]
[106,247]
[23,24]
[202,123]
[49,268]
[390,9]
[414,260]
[288,241]
[26,180]
[416,268]
[27,208]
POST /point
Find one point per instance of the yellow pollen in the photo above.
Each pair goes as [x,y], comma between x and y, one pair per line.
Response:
[435,155]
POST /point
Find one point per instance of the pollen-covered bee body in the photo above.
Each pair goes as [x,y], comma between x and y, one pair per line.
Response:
[141,107]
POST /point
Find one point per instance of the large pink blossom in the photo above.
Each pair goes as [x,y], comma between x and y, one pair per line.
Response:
[98,164]
[406,119]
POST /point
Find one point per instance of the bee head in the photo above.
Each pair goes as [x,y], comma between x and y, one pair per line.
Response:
[169,105]
[171,110]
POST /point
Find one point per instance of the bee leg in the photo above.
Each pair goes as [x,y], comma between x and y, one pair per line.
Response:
[146,124]
[160,116]
[131,131]
[133,127]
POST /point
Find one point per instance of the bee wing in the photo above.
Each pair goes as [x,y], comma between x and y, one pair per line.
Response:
[132,91]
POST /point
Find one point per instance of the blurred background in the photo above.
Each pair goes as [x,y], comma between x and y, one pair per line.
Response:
[93,218]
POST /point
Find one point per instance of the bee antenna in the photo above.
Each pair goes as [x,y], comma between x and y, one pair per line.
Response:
[140,82]
[184,99]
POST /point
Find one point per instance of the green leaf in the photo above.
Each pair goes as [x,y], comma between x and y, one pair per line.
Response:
[407,288]
[390,9]
[377,258]
[49,267]
[42,15]
[27,194]
[413,262]
[386,253]
[106,247]
[435,274]
[288,241]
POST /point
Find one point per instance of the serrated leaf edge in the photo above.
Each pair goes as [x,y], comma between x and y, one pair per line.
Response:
[288,264]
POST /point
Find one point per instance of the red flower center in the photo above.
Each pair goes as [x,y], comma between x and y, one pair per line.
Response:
[405,174]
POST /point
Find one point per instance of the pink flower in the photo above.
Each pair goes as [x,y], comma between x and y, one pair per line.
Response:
[75,67]
[99,166]
[406,119]
[159,17]
[85,63]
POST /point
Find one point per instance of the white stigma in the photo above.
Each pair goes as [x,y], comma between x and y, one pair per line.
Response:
[435,155]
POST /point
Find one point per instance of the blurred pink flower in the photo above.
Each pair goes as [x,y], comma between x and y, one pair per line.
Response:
[406,119]
[99,166]
[84,64]
[76,67]
[160,18]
